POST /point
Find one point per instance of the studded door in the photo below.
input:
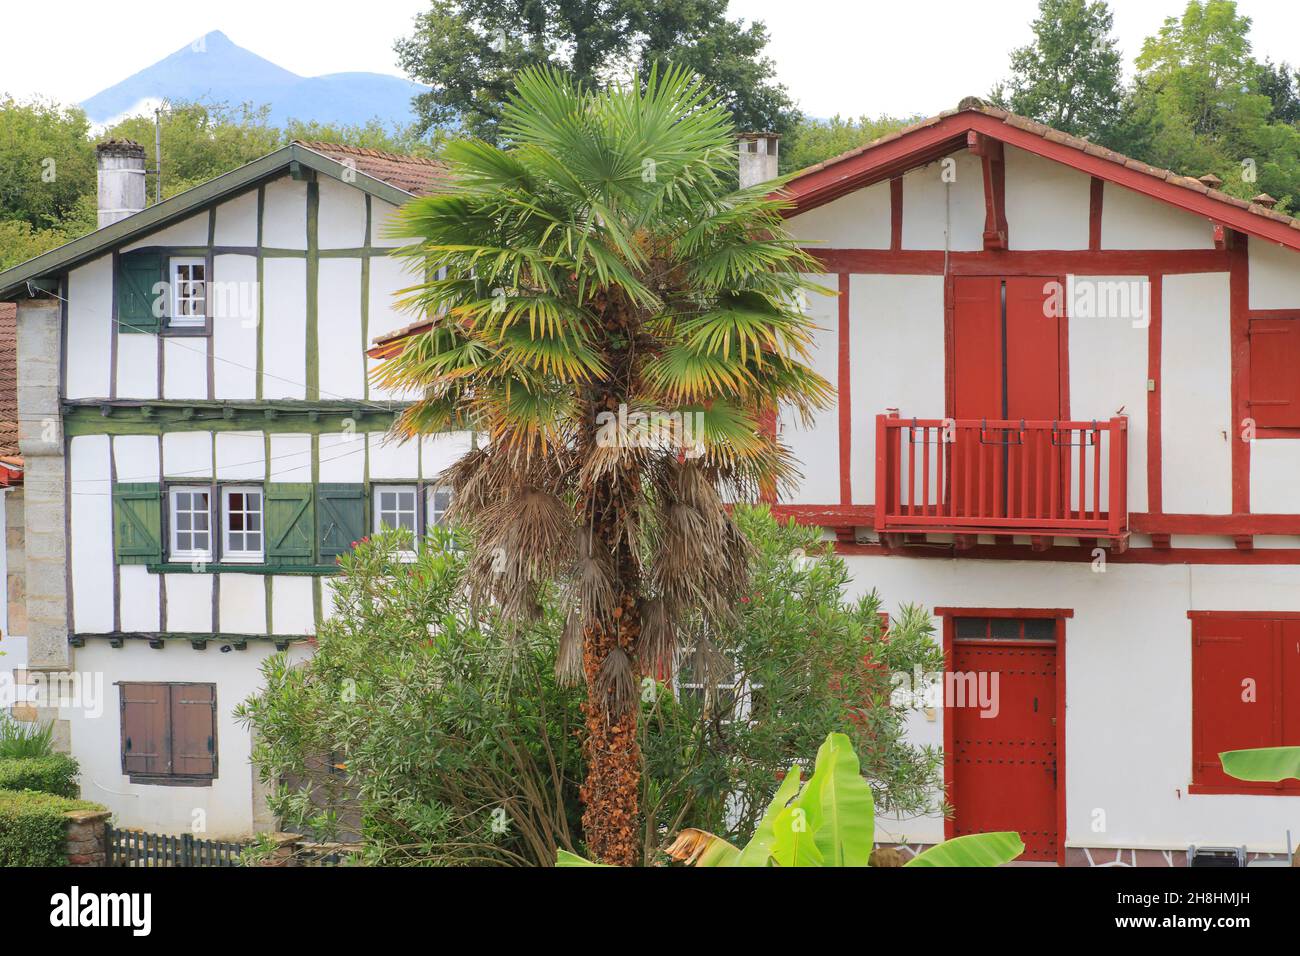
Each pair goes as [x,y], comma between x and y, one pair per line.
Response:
[1001,699]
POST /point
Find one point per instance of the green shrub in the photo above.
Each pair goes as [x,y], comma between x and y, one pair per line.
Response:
[33,827]
[56,774]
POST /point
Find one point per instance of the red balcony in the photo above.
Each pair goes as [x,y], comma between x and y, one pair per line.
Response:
[969,477]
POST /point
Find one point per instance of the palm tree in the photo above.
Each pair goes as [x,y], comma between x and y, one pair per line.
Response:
[618,320]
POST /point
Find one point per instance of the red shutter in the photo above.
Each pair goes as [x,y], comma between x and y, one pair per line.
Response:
[1289,653]
[1232,660]
[194,730]
[1274,385]
[145,743]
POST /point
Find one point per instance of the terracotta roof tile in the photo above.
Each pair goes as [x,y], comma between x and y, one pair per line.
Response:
[413,174]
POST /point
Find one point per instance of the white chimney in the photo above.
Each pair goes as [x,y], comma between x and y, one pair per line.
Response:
[758,157]
[120,165]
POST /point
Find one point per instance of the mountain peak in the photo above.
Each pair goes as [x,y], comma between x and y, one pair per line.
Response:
[215,69]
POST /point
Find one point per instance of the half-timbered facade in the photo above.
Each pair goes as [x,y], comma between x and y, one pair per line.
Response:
[202,442]
[1068,421]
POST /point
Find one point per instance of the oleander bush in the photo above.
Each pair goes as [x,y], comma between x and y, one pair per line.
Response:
[33,827]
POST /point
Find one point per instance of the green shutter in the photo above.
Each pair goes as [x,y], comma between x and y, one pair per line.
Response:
[290,524]
[137,523]
[341,517]
[137,274]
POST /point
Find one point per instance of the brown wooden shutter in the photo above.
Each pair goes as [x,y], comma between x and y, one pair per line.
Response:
[145,744]
[194,729]
[1274,385]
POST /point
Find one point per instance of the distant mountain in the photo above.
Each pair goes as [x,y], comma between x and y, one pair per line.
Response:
[214,69]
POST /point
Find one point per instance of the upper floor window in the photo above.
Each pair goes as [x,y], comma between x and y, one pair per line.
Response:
[438,504]
[188,292]
[191,523]
[395,508]
[242,524]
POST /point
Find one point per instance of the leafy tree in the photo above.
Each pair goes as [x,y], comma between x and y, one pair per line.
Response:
[1278,81]
[618,322]
[811,141]
[423,728]
[1199,106]
[1070,76]
[470,51]
[46,162]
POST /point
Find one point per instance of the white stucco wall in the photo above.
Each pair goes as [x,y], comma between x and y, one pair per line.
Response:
[1046,202]
[1195,363]
[816,444]
[860,220]
[896,354]
[1130,220]
[225,807]
[933,207]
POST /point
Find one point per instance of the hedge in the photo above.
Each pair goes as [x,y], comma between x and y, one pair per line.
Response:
[33,827]
[56,774]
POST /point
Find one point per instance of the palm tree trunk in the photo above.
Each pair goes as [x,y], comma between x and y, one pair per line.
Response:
[611,792]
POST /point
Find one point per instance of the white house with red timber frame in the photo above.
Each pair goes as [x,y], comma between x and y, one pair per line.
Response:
[1068,421]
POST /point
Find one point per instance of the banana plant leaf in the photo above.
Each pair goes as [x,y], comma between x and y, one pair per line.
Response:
[847,809]
[758,851]
[975,849]
[1265,764]
[702,848]
[565,858]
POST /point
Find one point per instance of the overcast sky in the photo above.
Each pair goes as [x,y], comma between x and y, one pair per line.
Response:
[835,56]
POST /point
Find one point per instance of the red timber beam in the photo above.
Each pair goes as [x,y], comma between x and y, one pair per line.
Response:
[1097,191]
[995,187]
[1135,262]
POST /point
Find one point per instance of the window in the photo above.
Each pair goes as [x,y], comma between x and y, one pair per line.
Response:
[1245,694]
[242,524]
[1005,629]
[189,293]
[191,523]
[169,733]
[395,509]
[1274,387]
[439,500]
[731,696]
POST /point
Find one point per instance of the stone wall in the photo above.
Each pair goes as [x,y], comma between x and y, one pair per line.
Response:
[40,442]
[16,561]
[87,839]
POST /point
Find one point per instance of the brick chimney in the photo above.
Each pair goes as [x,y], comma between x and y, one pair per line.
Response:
[121,189]
[758,157]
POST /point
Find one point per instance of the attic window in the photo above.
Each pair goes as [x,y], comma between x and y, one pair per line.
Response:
[189,293]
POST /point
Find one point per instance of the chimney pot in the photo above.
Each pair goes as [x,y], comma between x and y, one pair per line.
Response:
[759,154]
[1265,200]
[1210,180]
[120,180]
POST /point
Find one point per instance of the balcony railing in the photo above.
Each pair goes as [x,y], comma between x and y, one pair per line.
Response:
[986,476]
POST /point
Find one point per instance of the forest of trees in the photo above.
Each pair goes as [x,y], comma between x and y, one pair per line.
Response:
[1197,101]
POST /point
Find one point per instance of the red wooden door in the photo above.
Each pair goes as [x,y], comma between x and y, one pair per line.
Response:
[1002,764]
[1006,366]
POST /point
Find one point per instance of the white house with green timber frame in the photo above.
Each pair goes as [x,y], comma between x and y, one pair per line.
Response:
[200,441]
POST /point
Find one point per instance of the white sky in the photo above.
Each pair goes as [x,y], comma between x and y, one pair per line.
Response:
[835,56]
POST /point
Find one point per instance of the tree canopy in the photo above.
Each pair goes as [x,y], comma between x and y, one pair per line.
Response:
[470,51]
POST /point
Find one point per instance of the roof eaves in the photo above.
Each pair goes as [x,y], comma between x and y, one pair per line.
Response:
[64,257]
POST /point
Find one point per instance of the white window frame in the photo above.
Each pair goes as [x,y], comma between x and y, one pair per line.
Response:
[433,517]
[740,688]
[175,318]
[377,518]
[242,556]
[174,552]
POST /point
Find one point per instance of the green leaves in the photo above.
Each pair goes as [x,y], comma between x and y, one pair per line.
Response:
[976,849]
[1265,764]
